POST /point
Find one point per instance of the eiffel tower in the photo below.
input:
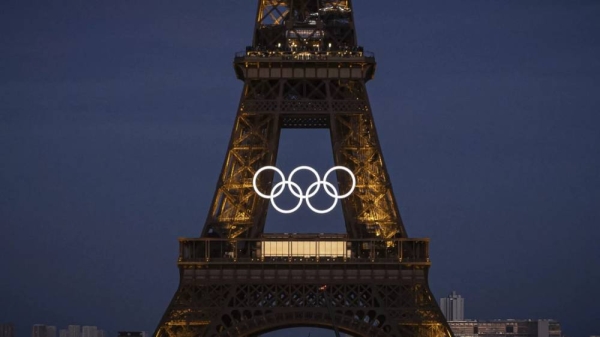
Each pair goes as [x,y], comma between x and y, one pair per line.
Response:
[303,70]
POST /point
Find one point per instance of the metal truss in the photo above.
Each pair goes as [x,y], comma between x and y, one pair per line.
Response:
[249,309]
[236,210]
[269,105]
[304,70]
[377,287]
[302,25]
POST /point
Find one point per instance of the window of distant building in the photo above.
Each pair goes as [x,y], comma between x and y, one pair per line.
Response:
[510,329]
[476,330]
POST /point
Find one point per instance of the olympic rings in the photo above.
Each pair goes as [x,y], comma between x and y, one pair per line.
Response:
[311,191]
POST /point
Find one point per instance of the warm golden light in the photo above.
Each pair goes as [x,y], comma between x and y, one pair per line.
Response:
[304,249]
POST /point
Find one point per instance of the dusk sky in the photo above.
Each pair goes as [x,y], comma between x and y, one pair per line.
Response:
[115,117]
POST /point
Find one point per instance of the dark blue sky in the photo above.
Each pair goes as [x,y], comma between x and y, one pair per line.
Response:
[115,117]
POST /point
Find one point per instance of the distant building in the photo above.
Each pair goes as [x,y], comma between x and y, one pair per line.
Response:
[506,327]
[453,307]
[7,330]
[38,330]
[89,331]
[74,331]
[50,331]
[132,334]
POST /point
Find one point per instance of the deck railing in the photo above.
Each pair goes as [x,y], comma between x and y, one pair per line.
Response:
[303,249]
[275,55]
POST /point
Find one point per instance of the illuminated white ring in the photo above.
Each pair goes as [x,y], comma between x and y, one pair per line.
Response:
[295,189]
[266,196]
[308,168]
[351,175]
[290,184]
[277,189]
[318,184]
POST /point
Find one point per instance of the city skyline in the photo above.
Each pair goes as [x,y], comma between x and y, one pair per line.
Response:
[112,140]
[72,330]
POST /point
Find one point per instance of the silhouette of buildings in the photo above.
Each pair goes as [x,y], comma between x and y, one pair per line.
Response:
[453,307]
[507,328]
[132,334]
[41,330]
[50,331]
[7,330]
[38,330]
[88,331]
[74,331]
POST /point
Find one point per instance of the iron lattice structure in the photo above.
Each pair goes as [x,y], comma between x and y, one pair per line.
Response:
[303,70]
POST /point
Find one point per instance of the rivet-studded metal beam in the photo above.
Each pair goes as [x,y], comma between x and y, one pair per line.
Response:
[303,70]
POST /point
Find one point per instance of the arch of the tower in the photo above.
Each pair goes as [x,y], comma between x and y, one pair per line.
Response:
[359,323]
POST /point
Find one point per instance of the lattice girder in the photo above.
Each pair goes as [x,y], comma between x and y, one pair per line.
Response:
[236,208]
[221,307]
[370,211]
[372,206]
[304,25]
